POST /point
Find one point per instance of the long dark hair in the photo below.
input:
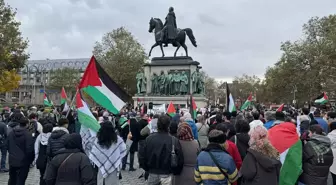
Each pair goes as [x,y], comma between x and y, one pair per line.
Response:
[107,134]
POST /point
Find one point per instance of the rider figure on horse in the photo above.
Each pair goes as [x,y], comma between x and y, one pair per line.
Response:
[169,31]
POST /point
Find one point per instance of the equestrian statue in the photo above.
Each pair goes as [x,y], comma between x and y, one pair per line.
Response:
[168,33]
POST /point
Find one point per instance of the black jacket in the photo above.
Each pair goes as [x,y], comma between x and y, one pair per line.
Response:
[56,142]
[241,140]
[156,156]
[76,170]
[20,147]
[316,166]
[259,169]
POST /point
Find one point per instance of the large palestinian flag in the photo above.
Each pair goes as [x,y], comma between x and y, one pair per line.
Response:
[285,139]
[322,99]
[85,116]
[171,111]
[46,101]
[193,107]
[103,90]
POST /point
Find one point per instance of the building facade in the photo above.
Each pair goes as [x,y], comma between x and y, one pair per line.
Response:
[34,81]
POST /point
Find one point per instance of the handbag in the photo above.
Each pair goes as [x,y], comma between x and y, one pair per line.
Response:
[218,166]
[173,156]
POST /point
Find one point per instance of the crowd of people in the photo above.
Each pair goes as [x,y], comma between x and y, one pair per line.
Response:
[217,147]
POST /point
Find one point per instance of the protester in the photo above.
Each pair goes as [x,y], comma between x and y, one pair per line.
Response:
[203,130]
[157,154]
[323,123]
[270,118]
[107,153]
[70,166]
[242,137]
[256,121]
[40,149]
[34,127]
[332,137]
[261,165]
[187,118]
[214,165]
[317,157]
[21,153]
[233,117]
[57,138]
[3,146]
[14,120]
[190,149]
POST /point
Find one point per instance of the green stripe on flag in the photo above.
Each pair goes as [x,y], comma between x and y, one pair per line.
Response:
[88,121]
[100,98]
[123,122]
[292,166]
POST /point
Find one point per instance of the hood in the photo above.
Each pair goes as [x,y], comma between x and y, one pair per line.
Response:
[58,132]
[267,163]
[44,138]
[255,123]
[19,131]
[322,140]
[243,138]
[13,124]
[303,118]
[332,137]
[190,121]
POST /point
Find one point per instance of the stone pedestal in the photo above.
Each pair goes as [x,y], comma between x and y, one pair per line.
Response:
[168,65]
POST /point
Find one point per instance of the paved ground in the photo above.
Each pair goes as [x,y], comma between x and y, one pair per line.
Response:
[129,178]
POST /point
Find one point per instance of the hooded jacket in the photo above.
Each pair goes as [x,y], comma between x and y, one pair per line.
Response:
[317,157]
[241,140]
[56,140]
[40,147]
[259,169]
[187,118]
[20,147]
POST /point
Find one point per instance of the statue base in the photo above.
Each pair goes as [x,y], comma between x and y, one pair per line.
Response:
[170,65]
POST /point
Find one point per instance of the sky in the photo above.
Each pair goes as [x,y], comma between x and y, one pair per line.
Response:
[233,36]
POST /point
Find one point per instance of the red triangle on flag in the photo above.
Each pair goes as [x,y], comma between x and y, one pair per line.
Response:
[280,108]
[171,111]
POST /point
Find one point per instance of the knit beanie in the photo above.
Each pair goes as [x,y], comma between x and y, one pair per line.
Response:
[217,136]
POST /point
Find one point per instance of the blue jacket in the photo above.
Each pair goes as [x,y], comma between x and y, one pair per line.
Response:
[323,123]
[193,126]
[269,124]
[206,171]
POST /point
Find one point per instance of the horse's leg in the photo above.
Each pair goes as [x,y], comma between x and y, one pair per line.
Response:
[162,50]
[178,47]
[150,51]
[185,48]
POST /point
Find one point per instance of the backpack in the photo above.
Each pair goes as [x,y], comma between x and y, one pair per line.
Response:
[42,158]
[33,128]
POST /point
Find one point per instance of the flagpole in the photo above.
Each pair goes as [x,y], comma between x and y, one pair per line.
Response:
[72,102]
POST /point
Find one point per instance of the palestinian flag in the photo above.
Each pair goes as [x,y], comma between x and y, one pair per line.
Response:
[247,103]
[193,107]
[230,105]
[46,101]
[322,99]
[102,89]
[171,111]
[280,109]
[290,149]
[85,116]
[123,121]
[64,103]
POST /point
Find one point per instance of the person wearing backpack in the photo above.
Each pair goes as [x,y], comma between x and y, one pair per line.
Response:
[34,127]
[41,150]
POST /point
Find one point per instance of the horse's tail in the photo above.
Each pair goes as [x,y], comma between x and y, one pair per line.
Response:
[191,36]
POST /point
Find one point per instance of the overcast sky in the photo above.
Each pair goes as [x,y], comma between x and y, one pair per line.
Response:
[233,36]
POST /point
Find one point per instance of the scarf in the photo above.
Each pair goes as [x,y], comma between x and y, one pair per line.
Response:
[108,159]
[184,132]
[61,128]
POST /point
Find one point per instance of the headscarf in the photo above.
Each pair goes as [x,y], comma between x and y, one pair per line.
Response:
[184,132]
[259,142]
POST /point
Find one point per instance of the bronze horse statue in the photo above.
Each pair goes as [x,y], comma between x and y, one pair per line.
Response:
[157,25]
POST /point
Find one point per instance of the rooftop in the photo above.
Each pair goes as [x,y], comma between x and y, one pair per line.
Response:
[48,64]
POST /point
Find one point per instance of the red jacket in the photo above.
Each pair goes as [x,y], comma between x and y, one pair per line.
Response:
[233,151]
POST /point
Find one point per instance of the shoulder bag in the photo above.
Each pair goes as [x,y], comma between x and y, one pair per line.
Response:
[62,164]
[218,166]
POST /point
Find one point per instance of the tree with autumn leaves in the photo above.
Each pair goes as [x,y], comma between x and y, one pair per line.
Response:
[13,54]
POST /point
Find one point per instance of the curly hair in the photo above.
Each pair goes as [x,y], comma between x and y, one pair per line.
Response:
[107,134]
[259,142]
